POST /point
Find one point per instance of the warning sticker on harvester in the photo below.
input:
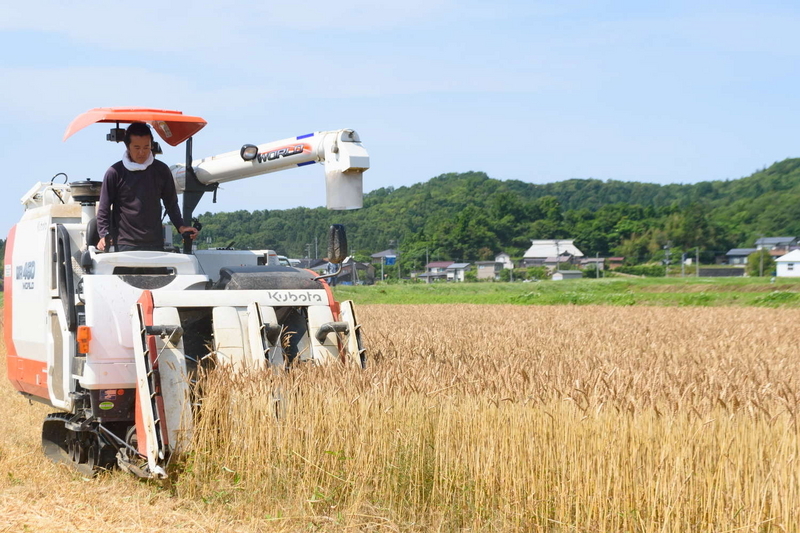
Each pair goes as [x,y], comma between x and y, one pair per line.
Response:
[108,394]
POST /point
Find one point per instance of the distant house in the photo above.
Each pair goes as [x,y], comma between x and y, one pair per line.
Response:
[773,243]
[435,267]
[430,277]
[488,269]
[532,262]
[566,274]
[615,262]
[355,273]
[456,271]
[505,260]
[593,263]
[387,257]
[788,266]
[542,249]
[317,265]
[738,256]
[435,271]
[553,262]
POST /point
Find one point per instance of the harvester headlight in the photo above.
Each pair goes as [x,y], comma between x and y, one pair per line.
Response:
[249,152]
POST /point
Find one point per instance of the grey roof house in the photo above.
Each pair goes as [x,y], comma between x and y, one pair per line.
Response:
[455,272]
[771,243]
[381,257]
[550,252]
[738,256]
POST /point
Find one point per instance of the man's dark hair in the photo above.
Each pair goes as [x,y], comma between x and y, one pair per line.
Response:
[140,129]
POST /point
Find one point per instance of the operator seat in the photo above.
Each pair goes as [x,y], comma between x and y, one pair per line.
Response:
[92,238]
[92,235]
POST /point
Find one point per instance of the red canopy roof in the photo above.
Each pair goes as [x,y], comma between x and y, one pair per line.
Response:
[172,126]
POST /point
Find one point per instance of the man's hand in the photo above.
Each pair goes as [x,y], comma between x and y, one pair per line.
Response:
[101,244]
[192,231]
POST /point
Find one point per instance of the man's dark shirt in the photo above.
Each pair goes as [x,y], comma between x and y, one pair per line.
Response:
[136,197]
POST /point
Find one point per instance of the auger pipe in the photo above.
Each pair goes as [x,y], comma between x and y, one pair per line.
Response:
[340,151]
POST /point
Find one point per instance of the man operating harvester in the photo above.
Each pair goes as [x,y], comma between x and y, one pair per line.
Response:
[129,214]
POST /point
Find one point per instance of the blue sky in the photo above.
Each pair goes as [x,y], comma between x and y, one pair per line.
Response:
[668,92]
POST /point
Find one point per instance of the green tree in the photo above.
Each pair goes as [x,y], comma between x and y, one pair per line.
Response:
[537,272]
[760,263]
[453,216]
[485,254]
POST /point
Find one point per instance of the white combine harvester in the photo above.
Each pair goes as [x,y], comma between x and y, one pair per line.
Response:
[113,340]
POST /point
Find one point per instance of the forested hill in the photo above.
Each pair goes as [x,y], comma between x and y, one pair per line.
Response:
[471,216]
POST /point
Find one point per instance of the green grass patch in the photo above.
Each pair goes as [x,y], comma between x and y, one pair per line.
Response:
[779,299]
[693,292]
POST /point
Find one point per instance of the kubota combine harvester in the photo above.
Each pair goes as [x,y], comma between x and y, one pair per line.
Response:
[114,340]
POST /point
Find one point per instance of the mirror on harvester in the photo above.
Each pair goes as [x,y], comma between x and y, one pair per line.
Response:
[337,244]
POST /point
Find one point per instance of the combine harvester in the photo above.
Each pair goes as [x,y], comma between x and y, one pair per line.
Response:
[114,340]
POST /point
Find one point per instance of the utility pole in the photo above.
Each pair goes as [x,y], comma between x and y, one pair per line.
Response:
[697,262]
[393,246]
[558,256]
[683,265]
[666,260]
[316,247]
[597,265]
[308,250]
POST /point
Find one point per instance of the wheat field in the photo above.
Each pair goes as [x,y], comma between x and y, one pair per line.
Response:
[470,418]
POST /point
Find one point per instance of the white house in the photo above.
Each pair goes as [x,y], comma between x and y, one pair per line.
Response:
[504,259]
[455,272]
[788,266]
[543,249]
